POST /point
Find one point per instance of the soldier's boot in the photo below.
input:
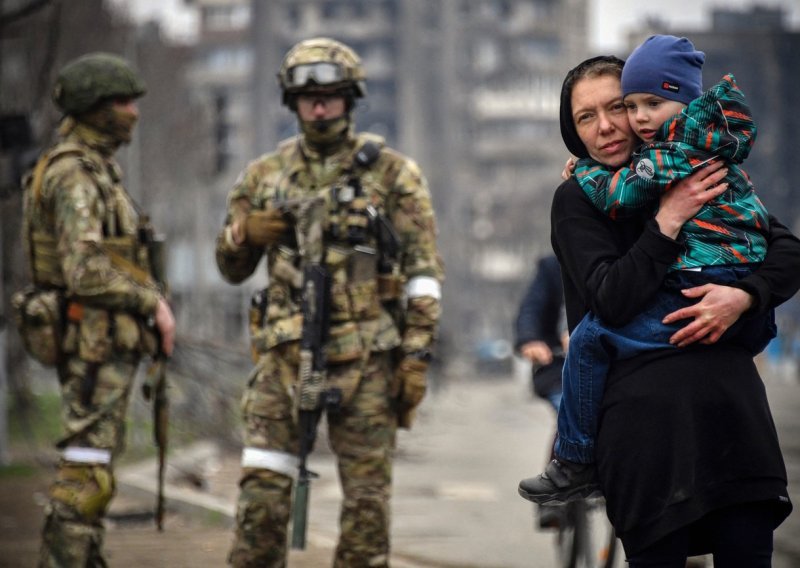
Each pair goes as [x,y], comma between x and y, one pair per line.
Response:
[262,516]
[73,531]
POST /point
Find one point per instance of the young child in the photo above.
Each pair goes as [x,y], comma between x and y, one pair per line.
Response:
[683,129]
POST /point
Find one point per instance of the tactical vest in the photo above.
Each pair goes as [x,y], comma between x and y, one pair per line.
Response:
[43,311]
[364,277]
[43,257]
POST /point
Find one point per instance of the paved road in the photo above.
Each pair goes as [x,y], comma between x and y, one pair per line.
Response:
[455,502]
[455,498]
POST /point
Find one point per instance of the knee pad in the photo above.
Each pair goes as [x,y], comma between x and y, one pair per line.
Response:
[85,489]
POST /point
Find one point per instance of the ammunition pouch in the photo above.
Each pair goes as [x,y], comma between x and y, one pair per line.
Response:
[93,333]
[344,344]
[354,301]
[51,327]
[39,317]
[354,291]
[275,332]
[45,261]
[390,287]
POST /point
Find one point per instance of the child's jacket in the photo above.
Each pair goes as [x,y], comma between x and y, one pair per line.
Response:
[728,230]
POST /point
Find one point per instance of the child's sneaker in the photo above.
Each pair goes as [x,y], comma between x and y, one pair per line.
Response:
[562,481]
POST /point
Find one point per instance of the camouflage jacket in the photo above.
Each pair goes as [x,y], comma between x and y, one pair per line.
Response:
[390,183]
[730,229]
[73,216]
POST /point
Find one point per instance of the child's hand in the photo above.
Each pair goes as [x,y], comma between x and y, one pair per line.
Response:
[682,202]
[569,167]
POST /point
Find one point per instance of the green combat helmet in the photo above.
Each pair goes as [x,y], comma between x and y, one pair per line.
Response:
[321,64]
[86,81]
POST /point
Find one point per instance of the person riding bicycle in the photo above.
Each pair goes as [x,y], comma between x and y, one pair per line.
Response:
[541,338]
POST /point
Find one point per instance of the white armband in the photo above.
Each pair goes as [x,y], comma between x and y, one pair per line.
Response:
[273,460]
[424,286]
[77,454]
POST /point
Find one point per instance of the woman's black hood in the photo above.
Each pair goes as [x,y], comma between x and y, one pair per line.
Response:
[568,131]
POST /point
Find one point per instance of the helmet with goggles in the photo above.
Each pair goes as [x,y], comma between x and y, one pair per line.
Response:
[321,65]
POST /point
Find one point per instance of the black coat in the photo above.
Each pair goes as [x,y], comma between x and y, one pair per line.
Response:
[682,431]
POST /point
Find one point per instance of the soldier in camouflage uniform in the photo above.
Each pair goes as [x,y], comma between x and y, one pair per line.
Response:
[384,306]
[80,229]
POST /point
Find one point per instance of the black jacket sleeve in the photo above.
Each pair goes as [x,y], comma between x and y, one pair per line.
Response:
[540,310]
[778,277]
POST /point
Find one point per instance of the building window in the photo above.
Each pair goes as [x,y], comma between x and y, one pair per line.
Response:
[226,18]
[486,56]
[234,59]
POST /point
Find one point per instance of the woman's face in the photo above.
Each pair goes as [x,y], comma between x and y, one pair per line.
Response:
[601,120]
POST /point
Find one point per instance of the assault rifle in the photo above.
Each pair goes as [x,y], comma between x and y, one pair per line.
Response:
[155,384]
[308,216]
[313,397]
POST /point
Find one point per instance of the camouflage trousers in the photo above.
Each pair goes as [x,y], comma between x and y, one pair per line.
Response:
[94,401]
[361,434]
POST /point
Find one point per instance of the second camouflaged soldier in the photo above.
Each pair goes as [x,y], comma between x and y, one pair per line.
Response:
[81,232]
[384,305]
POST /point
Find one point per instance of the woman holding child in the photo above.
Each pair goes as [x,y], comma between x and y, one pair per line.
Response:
[687,453]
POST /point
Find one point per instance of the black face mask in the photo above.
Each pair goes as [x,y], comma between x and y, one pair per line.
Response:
[569,133]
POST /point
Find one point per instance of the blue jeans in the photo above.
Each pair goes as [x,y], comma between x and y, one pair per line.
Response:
[593,346]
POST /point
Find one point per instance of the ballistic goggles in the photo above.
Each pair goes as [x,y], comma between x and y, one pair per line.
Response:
[310,74]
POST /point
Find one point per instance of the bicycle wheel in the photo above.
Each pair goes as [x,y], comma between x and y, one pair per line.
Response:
[587,539]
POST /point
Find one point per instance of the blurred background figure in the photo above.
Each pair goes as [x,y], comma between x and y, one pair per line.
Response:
[540,332]
[541,338]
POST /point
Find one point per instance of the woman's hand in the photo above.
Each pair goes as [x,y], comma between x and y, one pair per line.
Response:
[682,202]
[719,308]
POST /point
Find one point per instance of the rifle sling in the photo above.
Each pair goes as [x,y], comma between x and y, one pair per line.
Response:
[139,275]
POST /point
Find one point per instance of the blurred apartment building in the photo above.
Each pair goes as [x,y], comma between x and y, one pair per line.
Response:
[468,88]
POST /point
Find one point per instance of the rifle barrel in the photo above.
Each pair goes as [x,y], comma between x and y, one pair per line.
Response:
[300,511]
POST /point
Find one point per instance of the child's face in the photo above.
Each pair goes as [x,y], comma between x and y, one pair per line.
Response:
[647,113]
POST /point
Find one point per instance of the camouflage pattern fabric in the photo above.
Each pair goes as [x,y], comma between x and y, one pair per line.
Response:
[362,436]
[366,336]
[322,49]
[78,208]
[79,497]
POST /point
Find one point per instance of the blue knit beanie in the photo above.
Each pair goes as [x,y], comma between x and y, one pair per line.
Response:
[666,66]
